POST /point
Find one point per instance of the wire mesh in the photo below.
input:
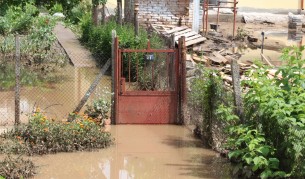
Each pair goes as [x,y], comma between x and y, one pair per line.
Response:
[50,81]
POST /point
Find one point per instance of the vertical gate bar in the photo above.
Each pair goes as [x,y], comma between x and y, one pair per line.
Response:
[137,68]
[129,71]
[152,74]
[122,64]
[177,78]
[167,70]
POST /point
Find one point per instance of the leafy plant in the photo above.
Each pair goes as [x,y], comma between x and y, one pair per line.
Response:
[16,167]
[207,94]
[56,8]
[99,110]
[43,136]
[277,105]
[252,153]
[17,19]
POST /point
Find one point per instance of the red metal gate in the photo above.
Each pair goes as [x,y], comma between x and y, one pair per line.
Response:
[146,85]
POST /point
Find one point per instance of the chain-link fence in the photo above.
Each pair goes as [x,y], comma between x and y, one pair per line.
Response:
[49,80]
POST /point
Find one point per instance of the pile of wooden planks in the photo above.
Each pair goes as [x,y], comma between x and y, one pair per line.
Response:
[221,61]
[191,37]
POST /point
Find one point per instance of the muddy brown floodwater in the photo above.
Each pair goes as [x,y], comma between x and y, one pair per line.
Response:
[140,151]
[55,100]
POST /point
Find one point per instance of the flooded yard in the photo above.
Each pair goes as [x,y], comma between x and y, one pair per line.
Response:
[274,42]
[140,151]
[56,100]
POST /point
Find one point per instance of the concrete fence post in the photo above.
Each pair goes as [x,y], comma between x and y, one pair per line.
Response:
[237,90]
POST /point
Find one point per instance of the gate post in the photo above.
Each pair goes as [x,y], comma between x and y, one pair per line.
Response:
[182,81]
[114,77]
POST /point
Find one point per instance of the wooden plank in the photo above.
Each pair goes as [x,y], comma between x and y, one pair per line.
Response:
[266,60]
[182,32]
[187,35]
[192,42]
[222,58]
[177,29]
[215,60]
[193,37]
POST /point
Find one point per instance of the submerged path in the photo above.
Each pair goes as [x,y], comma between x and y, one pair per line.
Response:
[140,151]
[79,56]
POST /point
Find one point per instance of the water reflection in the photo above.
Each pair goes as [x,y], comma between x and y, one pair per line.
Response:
[56,99]
[147,152]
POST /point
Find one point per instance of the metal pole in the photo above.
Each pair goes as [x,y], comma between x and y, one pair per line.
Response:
[113,79]
[136,20]
[119,13]
[218,14]
[203,17]
[234,23]
[17,88]
[263,39]
[207,17]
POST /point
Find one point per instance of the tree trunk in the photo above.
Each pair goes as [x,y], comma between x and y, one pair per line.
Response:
[95,14]
[104,14]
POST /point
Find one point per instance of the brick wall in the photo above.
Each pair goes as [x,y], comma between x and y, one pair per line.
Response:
[161,11]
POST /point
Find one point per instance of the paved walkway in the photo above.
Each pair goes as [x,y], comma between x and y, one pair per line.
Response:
[79,56]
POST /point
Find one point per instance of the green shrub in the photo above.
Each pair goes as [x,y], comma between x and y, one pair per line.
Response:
[99,38]
[43,136]
[18,19]
[38,53]
[207,94]
[77,13]
[16,167]
[271,141]
[252,153]
[277,104]
[56,8]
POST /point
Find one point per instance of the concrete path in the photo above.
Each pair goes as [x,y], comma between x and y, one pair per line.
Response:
[79,56]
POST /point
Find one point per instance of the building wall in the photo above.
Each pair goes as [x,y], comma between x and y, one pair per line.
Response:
[161,11]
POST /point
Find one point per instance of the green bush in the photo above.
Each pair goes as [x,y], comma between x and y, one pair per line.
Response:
[56,8]
[16,167]
[43,136]
[99,38]
[277,105]
[271,141]
[207,94]
[17,19]
[77,13]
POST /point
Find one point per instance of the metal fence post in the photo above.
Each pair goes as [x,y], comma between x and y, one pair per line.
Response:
[17,87]
[119,13]
[113,76]
[136,19]
[237,90]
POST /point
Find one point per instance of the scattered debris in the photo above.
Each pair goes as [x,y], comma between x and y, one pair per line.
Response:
[191,37]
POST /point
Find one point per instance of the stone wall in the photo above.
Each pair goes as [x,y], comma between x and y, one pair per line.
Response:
[161,11]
